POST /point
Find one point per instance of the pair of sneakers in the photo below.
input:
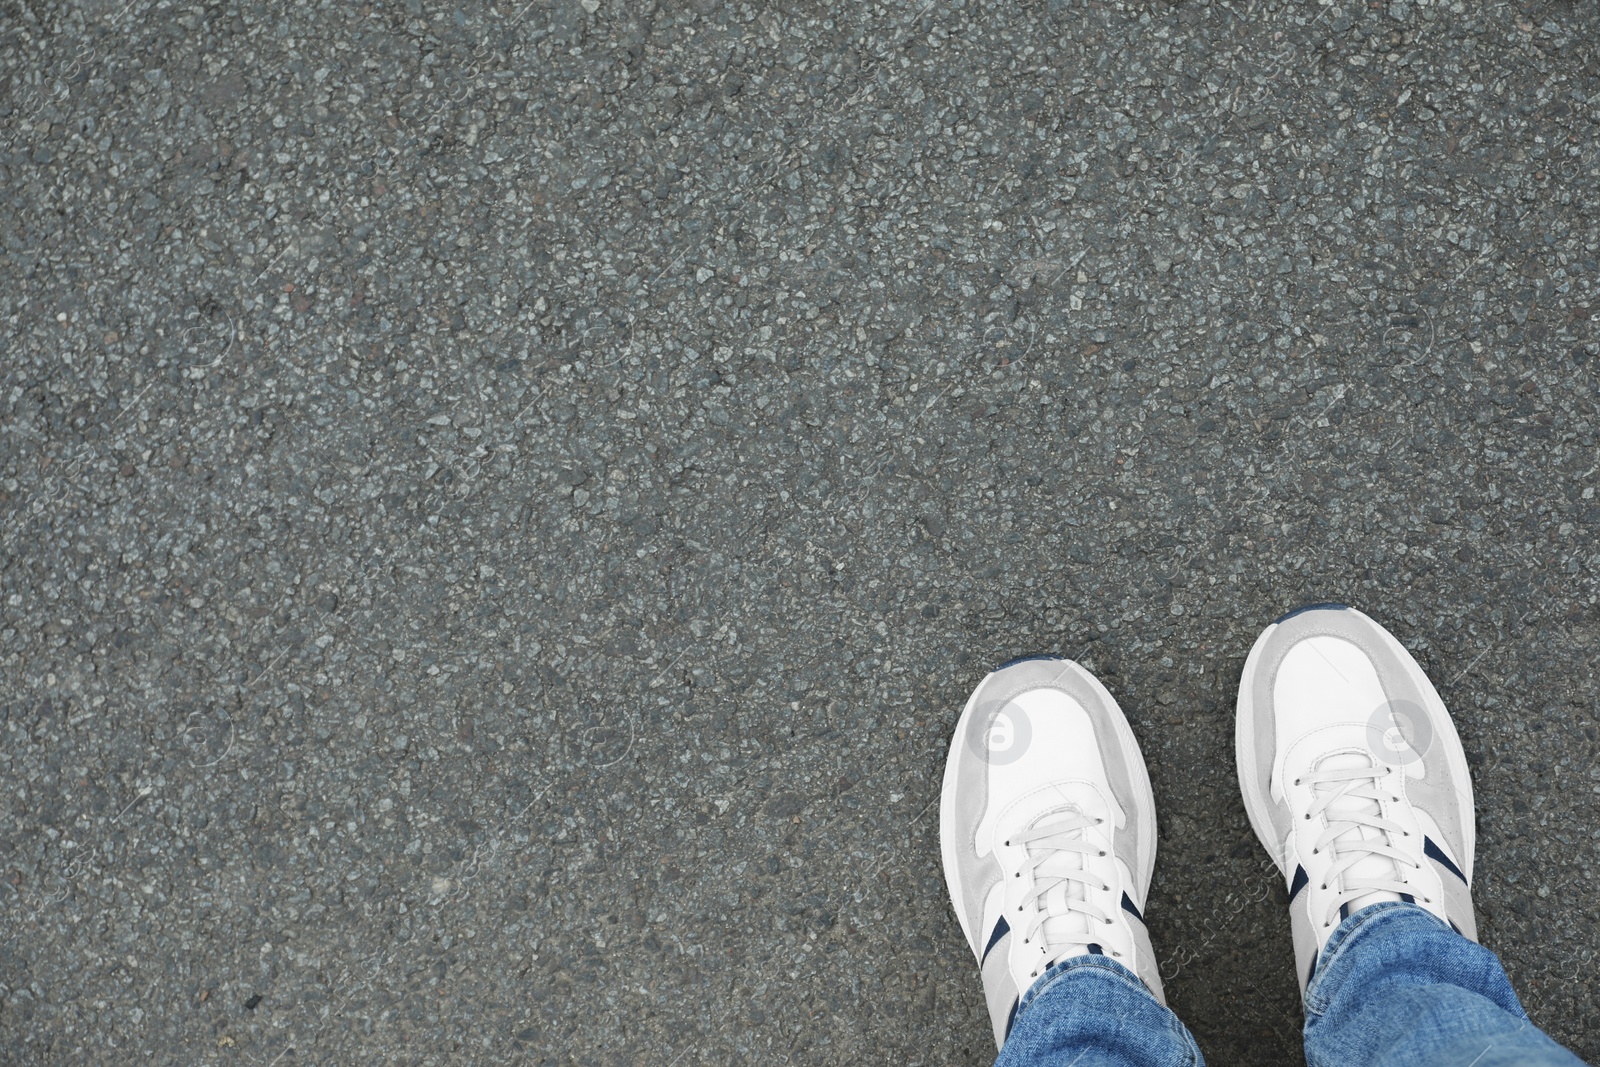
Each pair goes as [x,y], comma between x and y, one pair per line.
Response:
[1353,777]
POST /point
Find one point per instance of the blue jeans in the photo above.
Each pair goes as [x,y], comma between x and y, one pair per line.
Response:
[1394,987]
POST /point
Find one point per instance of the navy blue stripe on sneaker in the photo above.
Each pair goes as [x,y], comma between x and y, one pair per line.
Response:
[1012,1018]
[1408,898]
[1127,906]
[1001,929]
[1327,605]
[1299,883]
[1435,853]
[1022,659]
[1096,949]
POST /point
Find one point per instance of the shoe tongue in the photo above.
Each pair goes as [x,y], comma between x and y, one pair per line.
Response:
[1369,867]
[1061,867]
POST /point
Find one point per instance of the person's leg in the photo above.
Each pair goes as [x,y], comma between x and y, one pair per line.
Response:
[1048,836]
[1090,1011]
[1396,986]
[1356,782]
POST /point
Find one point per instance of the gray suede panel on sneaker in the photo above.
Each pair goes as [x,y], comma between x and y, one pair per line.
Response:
[1146,966]
[1457,901]
[1306,946]
[1000,992]
[996,692]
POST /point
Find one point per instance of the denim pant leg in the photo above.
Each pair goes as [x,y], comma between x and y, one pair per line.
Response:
[1396,987]
[1090,1011]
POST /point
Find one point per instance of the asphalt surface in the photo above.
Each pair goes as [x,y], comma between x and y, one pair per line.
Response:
[503,506]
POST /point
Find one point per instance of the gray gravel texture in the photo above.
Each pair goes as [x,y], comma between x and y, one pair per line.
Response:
[503,505]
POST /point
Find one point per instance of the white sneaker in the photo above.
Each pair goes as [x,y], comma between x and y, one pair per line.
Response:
[1353,775]
[1048,831]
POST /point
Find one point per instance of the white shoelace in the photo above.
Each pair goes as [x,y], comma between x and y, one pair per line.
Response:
[1057,912]
[1367,865]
